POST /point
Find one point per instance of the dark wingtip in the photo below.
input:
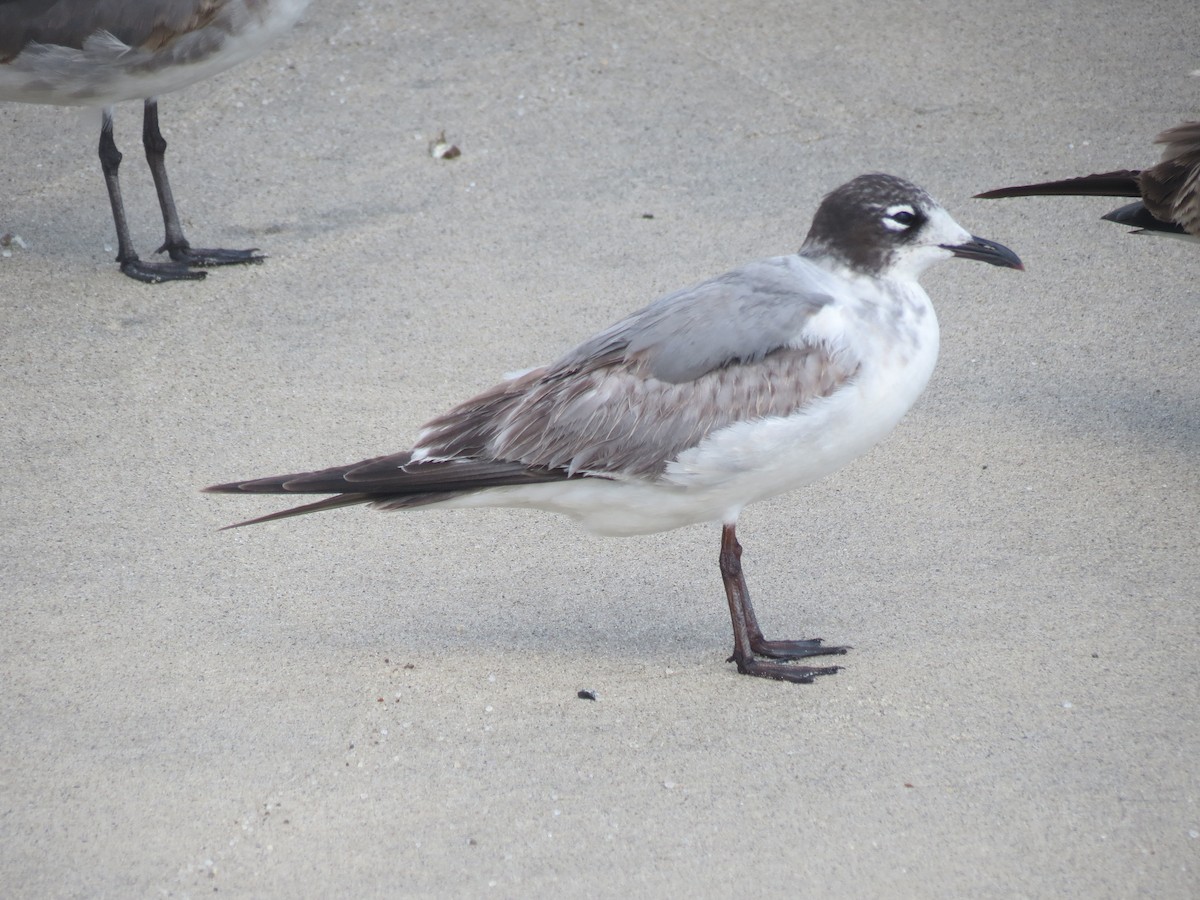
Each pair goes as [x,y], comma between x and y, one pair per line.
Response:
[997,194]
[1122,183]
[335,502]
[234,487]
[1135,215]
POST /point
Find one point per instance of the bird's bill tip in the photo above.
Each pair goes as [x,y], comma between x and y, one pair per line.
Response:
[986,251]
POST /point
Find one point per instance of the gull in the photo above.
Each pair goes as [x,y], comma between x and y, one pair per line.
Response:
[1169,190]
[88,53]
[743,387]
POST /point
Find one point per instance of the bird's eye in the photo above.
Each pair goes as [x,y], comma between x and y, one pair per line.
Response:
[904,217]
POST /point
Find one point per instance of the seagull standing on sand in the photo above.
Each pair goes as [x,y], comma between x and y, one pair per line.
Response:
[101,52]
[1169,190]
[746,386]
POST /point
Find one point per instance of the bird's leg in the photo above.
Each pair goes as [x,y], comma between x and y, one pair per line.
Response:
[748,639]
[110,162]
[797,649]
[176,244]
[131,264]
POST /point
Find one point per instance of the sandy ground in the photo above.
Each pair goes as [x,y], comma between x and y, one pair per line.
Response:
[367,705]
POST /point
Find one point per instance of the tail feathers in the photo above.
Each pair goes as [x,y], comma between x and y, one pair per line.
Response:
[1123,183]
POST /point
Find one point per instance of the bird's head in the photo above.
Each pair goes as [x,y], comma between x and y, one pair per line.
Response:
[885,227]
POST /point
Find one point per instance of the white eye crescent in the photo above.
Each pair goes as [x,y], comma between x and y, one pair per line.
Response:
[900,218]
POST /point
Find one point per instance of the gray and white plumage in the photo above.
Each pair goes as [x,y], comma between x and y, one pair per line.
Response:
[1169,191]
[740,388]
[103,52]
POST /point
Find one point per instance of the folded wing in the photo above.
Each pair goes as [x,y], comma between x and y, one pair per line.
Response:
[620,406]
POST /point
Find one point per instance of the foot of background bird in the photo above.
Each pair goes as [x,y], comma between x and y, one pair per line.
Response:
[200,256]
[782,671]
[793,649]
[158,272]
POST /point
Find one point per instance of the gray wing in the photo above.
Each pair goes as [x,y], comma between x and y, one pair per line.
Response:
[612,421]
[740,316]
[628,401]
[621,405]
[68,23]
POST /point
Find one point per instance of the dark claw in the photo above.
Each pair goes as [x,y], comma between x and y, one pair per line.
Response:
[783,672]
[794,649]
[156,273]
[748,641]
[200,256]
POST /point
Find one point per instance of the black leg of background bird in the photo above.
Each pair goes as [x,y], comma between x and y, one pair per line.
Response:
[176,244]
[747,636]
[131,264]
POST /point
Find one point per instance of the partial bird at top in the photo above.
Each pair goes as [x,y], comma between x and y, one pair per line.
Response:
[89,53]
[746,386]
[1169,190]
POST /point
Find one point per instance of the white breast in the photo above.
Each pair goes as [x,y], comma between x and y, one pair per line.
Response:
[897,345]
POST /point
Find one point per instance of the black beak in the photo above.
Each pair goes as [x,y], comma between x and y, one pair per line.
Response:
[986,251]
